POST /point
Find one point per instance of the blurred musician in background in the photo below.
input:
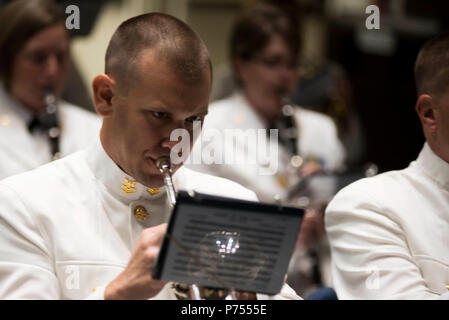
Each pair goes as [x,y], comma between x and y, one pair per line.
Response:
[35,125]
[389,234]
[90,225]
[265,44]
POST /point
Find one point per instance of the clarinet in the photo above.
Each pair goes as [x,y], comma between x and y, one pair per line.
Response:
[50,121]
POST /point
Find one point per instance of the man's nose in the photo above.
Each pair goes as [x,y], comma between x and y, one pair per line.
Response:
[167,143]
[178,129]
[181,142]
[289,77]
[52,66]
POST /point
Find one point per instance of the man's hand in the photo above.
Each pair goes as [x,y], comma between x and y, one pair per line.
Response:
[312,229]
[135,282]
[241,295]
[309,168]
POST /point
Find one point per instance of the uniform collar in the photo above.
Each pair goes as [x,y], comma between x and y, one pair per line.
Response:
[435,167]
[116,181]
[11,109]
[245,116]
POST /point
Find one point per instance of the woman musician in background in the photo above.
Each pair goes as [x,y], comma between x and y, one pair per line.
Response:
[264,51]
[35,125]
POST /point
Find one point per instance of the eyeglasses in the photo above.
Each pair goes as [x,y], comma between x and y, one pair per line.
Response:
[40,57]
[276,63]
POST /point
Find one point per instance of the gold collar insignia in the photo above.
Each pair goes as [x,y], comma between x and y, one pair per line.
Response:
[153,191]
[129,186]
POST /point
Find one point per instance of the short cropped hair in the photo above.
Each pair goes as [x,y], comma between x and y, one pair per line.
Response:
[432,66]
[20,20]
[173,40]
[254,28]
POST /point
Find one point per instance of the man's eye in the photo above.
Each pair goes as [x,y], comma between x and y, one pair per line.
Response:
[61,57]
[194,118]
[37,57]
[159,115]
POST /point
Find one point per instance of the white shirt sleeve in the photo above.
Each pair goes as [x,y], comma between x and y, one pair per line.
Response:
[287,293]
[336,151]
[370,256]
[26,264]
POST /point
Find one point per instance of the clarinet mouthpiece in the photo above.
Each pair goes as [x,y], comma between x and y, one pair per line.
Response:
[163,163]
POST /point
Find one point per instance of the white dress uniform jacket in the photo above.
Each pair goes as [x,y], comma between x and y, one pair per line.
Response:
[317,139]
[22,151]
[389,234]
[68,228]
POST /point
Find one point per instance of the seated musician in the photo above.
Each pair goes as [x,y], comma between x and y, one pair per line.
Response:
[90,225]
[36,126]
[388,233]
[264,51]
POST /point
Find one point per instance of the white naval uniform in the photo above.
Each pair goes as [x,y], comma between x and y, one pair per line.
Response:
[67,228]
[317,138]
[389,234]
[22,151]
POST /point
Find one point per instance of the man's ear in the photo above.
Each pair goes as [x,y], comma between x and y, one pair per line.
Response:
[239,68]
[425,108]
[103,89]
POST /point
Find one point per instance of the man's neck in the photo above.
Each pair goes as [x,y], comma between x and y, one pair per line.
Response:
[268,110]
[439,150]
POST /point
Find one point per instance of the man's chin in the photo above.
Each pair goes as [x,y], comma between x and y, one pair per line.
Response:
[153,177]
[152,180]
[34,105]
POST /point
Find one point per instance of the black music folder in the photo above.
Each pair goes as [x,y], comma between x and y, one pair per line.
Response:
[228,243]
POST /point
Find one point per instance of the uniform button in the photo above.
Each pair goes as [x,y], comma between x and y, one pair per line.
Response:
[95,288]
[238,118]
[4,121]
[140,213]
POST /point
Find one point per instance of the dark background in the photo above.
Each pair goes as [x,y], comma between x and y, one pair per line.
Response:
[383,86]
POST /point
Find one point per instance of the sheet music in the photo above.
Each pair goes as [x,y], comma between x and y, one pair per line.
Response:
[240,249]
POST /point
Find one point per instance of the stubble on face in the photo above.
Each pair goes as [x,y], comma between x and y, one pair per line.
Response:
[140,138]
